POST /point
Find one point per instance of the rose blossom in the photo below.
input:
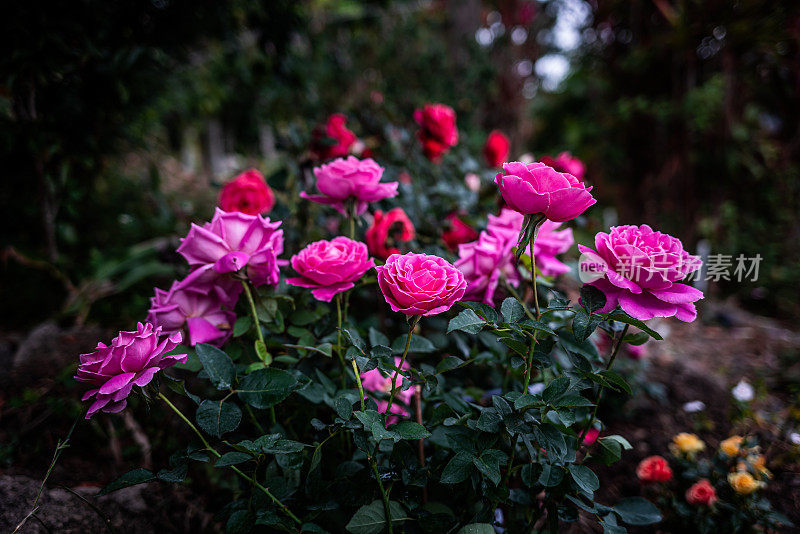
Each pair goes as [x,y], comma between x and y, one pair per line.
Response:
[566,163]
[196,305]
[654,469]
[330,267]
[235,241]
[336,131]
[393,226]
[483,263]
[437,131]
[591,436]
[701,493]
[131,359]
[496,148]
[420,284]
[537,188]
[457,232]
[374,381]
[350,179]
[248,193]
[640,271]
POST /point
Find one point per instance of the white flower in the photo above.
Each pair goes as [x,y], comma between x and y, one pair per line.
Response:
[694,406]
[743,391]
[537,388]
[794,437]
[473,182]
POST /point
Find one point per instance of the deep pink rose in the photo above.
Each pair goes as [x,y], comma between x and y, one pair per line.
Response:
[496,148]
[483,263]
[438,131]
[537,188]
[247,193]
[334,140]
[234,242]
[457,232]
[387,229]
[419,284]
[375,382]
[330,267]
[591,436]
[640,271]
[131,359]
[198,306]
[549,242]
[565,162]
[350,179]
[701,493]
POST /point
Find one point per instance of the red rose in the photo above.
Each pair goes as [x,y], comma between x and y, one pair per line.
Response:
[702,493]
[457,232]
[654,469]
[388,228]
[591,436]
[437,132]
[335,140]
[496,148]
[247,193]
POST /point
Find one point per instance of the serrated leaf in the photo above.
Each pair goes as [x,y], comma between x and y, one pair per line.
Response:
[466,321]
[489,464]
[555,389]
[616,380]
[622,317]
[265,388]
[482,309]
[131,478]
[371,518]
[489,420]
[551,476]
[232,458]
[419,344]
[584,323]
[242,325]
[584,478]
[457,469]
[410,430]
[512,310]
[218,418]
[218,365]
[592,298]
[637,511]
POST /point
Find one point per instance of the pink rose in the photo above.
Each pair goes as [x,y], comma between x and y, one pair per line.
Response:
[234,242]
[197,306]
[483,263]
[549,242]
[457,232]
[565,162]
[640,272]
[247,193]
[330,267]
[335,140]
[131,359]
[437,131]
[392,227]
[375,382]
[496,148]
[419,284]
[537,188]
[351,179]
[591,436]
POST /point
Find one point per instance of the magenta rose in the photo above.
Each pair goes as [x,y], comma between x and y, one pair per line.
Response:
[641,270]
[483,263]
[350,180]
[550,241]
[330,267]
[234,242]
[131,360]
[419,284]
[566,162]
[196,305]
[537,188]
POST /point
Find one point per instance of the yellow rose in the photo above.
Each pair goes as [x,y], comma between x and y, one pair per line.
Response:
[743,483]
[688,444]
[759,464]
[731,446]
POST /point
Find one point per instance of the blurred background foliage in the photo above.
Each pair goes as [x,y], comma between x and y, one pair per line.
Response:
[119,121]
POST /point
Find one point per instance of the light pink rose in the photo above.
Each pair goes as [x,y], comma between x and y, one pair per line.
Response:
[641,269]
[375,382]
[132,359]
[350,179]
[419,284]
[198,306]
[330,267]
[537,188]
[234,242]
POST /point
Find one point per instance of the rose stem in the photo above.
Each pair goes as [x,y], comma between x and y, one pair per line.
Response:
[412,322]
[256,323]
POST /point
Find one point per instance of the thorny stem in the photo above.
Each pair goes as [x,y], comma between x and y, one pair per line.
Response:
[358,381]
[338,298]
[533,276]
[386,509]
[412,322]
[233,467]
[254,314]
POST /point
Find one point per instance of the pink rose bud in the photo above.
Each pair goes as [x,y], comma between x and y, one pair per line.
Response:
[330,267]
[247,193]
[496,148]
[420,284]
[234,241]
[537,188]
[350,180]
[437,132]
[132,359]
[640,270]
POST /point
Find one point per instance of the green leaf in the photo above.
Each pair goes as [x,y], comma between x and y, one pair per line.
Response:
[637,511]
[232,458]
[616,380]
[457,469]
[526,401]
[584,478]
[489,464]
[555,389]
[217,364]
[343,407]
[639,338]
[466,321]
[266,387]
[489,420]
[477,528]
[482,309]
[622,317]
[573,400]
[371,519]
[610,448]
[242,325]
[368,418]
[592,298]
[419,344]
[551,476]
[218,418]
[410,430]
[538,326]
[512,310]
[377,338]
[261,352]
[583,324]
[517,346]
[131,478]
